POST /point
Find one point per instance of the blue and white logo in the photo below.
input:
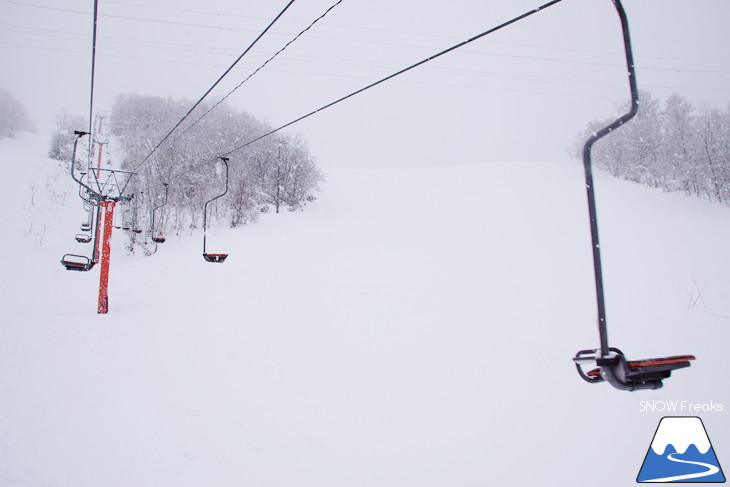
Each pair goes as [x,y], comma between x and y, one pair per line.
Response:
[681,452]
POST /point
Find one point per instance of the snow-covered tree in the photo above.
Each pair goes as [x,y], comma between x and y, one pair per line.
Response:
[673,149]
[62,138]
[713,127]
[276,170]
[13,116]
[677,140]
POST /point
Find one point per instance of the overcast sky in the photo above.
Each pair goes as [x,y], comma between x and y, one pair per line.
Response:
[522,93]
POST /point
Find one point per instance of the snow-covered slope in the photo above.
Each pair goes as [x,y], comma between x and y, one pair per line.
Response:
[411,327]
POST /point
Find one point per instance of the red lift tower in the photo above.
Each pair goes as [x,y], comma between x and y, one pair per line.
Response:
[105,188]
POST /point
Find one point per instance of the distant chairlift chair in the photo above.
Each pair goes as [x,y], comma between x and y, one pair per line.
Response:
[157,238]
[75,262]
[214,257]
[87,225]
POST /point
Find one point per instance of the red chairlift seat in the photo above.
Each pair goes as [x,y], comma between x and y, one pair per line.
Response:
[73,262]
[215,257]
[137,230]
[159,239]
[630,375]
[83,238]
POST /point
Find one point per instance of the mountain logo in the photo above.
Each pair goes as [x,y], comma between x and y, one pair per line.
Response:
[681,452]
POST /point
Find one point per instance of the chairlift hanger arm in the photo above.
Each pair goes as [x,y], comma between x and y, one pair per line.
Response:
[81,191]
[164,202]
[154,211]
[93,193]
[205,207]
[588,166]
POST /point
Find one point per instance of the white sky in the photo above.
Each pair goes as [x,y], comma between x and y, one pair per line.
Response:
[520,94]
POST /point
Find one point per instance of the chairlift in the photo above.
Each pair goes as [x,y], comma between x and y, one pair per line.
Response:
[612,365]
[116,223]
[214,257]
[73,262]
[135,229]
[629,375]
[87,225]
[156,237]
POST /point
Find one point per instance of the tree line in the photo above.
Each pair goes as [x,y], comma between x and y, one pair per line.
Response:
[675,146]
[13,116]
[275,173]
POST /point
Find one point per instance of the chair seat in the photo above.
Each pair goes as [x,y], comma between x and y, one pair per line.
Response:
[215,257]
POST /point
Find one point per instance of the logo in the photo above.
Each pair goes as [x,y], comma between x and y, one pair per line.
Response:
[681,452]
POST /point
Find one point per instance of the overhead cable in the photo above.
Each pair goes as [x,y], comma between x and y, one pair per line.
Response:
[263,65]
[93,69]
[125,17]
[371,85]
[216,83]
[398,73]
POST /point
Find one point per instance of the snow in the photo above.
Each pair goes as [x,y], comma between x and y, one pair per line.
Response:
[410,327]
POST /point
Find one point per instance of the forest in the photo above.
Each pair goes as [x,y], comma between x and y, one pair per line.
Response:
[273,174]
[13,116]
[675,146]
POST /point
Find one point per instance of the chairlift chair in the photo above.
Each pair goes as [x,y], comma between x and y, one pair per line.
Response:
[74,262]
[214,257]
[88,205]
[612,365]
[156,237]
[87,225]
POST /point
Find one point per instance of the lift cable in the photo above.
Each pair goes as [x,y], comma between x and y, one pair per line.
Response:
[93,69]
[398,73]
[371,85]
[216,83]
[263,65]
